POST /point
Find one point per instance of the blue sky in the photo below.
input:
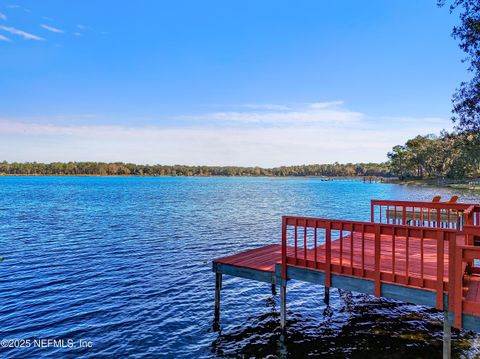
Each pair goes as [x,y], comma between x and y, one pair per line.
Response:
[222,82]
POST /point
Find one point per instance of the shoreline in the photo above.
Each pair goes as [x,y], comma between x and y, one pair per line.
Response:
[431,182]
[436,182]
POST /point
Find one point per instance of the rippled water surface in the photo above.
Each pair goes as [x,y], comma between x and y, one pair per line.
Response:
[126,264]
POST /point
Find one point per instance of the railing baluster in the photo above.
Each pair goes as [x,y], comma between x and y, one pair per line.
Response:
[363,250]
[407,234]
[305,241]
[393,255]
[341,247]
[421,256]
[296,238]
[351,248]
[315,244]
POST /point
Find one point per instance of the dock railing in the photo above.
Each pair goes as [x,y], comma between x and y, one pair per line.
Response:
[421,214]
[406,255]
[471,226]
[466,263]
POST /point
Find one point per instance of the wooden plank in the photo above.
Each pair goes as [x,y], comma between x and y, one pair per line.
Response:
[247,273]
[417,296]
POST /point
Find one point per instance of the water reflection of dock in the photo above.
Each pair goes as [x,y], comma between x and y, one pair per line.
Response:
[418,252]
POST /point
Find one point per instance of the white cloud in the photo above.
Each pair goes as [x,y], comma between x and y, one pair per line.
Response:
[322,105]
[19,7]
[4,38]
[77,34]
[3,16]
[266,107]
[25,35]
[51,28]
[325,142]
[326,112]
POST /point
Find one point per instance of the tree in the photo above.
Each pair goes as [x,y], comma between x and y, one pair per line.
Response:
[400,161]
[466,99]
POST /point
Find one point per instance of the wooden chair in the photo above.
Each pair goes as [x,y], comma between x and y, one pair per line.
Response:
[454,199]
[436,199]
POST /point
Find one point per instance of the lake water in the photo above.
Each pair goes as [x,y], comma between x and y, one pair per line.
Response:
[125,263]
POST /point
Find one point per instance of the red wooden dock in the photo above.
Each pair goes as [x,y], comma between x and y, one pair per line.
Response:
[418,252]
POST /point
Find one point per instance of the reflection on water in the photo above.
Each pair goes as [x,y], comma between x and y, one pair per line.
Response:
[357,326]
[126,264]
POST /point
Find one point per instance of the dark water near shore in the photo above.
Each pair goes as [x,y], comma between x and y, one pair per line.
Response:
[126,264]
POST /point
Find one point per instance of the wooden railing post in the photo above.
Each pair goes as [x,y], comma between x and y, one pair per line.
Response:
[451,271]
[377,284]
[372,212]
[440,269]
[457,311]
[328,254]
[284,247]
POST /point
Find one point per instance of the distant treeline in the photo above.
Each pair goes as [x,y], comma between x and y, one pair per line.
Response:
[122,169]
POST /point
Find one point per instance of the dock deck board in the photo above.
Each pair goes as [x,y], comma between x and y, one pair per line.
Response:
[265,259]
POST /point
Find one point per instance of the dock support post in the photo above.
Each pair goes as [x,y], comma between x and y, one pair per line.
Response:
[326,300]
[218,287]
[274,290]
[447,336]
[283,306]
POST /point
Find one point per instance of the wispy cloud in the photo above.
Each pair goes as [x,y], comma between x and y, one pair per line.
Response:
[321,112]
[266,107]
[51,28]
[14,6]
[3,16]
[25,35]
[322,105]
[4,38]
[367,139]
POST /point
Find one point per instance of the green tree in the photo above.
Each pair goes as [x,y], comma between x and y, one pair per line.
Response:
[466,99]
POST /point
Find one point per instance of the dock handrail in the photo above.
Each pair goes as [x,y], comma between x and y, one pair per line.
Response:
[308,242]
[420,214]
[465,256]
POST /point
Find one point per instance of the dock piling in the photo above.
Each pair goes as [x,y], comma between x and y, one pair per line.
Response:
[218,287]
[326,299]
[447,336]
[274,290]
[283,306]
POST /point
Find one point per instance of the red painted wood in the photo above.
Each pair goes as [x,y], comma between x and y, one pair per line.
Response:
[429,258]
[328,256]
